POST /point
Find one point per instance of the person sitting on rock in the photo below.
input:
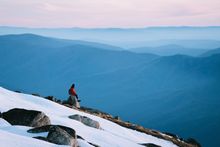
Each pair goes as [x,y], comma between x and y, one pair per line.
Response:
[73,98]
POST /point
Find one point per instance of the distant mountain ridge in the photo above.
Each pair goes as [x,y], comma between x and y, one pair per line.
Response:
[53,42]
[169,50]
[189,37]
[59,57]
[211,52]
[182,91]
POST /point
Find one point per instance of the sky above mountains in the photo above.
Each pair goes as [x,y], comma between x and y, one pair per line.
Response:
[109,13]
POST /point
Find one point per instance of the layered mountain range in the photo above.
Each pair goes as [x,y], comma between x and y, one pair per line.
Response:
[178,93]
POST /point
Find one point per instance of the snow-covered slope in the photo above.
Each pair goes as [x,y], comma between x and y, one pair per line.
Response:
[111,134]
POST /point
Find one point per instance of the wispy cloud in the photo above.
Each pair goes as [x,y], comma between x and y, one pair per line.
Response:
[108,13]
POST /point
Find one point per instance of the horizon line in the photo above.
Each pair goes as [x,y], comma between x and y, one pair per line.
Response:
[122,28]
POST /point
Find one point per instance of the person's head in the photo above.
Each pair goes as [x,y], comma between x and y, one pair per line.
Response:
[73,85]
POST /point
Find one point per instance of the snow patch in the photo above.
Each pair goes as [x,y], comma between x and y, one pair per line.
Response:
[111,134]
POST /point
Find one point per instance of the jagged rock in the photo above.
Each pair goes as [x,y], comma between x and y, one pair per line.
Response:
[41,129]
[47,128]
[70,131]
[59,136]
[24,117]
[85,120]
[36,94]
[0,115]
[150,145]
[51,98]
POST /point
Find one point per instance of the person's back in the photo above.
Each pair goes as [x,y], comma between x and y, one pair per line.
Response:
[73,98]
[72,91]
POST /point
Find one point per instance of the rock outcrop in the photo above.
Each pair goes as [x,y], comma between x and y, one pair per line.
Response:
[86,121]
[171,138]
[71,102]
[63,135]
[47,128]
[25,117]
[57,134]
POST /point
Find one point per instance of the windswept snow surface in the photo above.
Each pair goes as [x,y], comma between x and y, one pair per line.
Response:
[111,134]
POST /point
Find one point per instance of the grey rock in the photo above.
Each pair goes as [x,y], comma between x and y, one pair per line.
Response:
[72,100]
[70,131]
[51,98]
[59,136]
[36,94]
[0,115]
[85,120]
[47,128]
[41,129]
[76,117]
[24,117]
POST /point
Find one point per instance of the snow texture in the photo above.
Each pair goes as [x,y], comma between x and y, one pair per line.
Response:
[111,134]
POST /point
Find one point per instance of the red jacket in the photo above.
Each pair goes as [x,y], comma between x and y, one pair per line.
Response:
[72,92]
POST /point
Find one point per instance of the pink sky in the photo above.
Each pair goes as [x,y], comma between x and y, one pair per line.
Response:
[109,13]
